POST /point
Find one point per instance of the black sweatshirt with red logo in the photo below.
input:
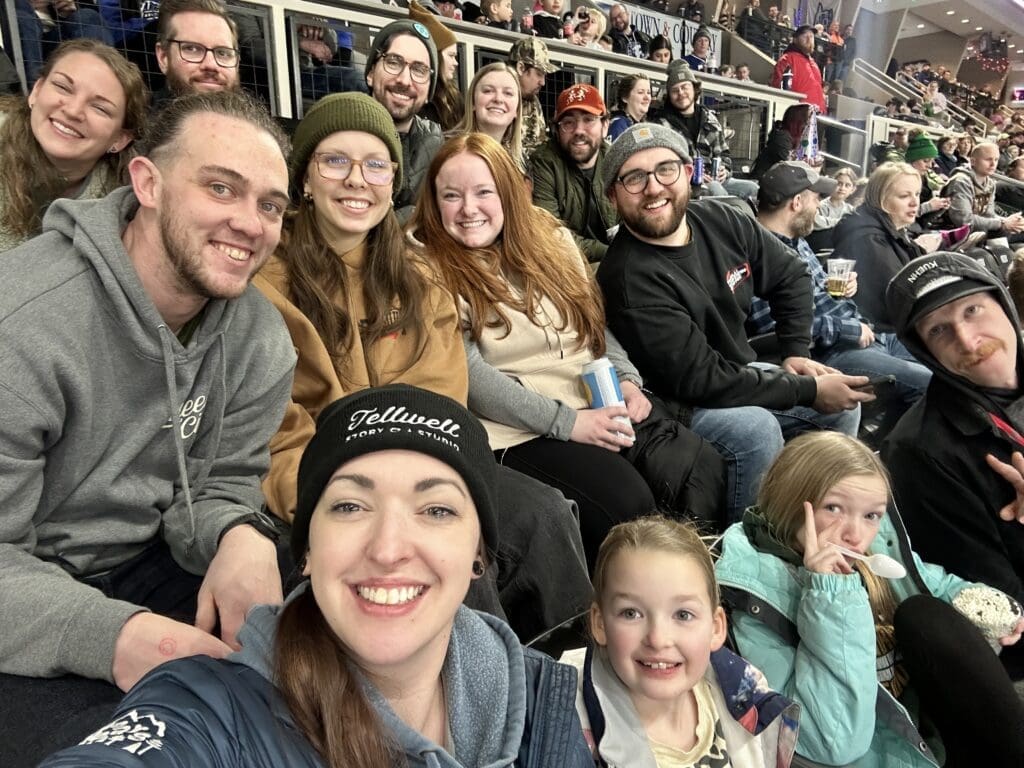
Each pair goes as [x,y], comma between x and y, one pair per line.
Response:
[680,311]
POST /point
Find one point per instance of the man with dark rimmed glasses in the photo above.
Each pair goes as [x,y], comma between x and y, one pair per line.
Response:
[401,73]
[678,282]
[196,48]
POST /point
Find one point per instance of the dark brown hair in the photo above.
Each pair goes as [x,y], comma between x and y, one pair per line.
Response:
[170,8]
[316,276]
[532,252]
[28,180]
[162,139]
[324,696]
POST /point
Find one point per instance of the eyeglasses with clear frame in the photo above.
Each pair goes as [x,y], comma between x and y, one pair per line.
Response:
[666,172]
[194,53]
[338,167]
[395,65]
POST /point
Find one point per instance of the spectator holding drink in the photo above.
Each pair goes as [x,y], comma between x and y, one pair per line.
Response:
[532,320]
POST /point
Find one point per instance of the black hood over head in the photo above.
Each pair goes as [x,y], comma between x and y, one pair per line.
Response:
[928,282]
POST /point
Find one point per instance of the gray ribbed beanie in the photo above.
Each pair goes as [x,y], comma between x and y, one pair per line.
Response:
[637,138]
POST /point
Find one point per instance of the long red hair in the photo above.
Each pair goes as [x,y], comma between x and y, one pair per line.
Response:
[532,253]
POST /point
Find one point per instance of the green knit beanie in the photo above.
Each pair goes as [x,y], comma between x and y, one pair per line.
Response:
[348,111]
[920,148]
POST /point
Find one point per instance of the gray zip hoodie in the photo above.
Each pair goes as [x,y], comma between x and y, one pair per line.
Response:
[114,435]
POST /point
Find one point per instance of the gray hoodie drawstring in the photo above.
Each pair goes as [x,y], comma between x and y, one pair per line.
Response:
[179,443]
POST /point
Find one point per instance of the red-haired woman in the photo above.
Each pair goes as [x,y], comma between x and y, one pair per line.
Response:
[532,318]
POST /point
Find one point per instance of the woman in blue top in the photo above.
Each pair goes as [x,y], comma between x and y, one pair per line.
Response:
[372,662]
[632,100]
[878,665]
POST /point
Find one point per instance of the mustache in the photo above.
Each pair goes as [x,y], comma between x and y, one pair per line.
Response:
[984,351]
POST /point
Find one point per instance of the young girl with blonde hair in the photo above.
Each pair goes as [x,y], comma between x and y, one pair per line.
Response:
[880,666]
[656,688]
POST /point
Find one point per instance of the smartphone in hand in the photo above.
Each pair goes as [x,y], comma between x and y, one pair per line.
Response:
[875,382]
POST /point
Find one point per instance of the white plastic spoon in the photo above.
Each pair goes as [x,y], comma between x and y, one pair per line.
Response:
[880,565]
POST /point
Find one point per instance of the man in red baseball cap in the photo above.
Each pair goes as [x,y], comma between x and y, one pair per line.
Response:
[567,178]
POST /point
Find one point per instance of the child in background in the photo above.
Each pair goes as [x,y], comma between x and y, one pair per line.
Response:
[835,206]
[547,22]
[866,656]
[497,13]
[656,688]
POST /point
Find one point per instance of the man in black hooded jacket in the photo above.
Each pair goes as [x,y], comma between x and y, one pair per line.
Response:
[957,456]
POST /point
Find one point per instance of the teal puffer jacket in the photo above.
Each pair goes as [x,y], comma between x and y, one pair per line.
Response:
[847,717]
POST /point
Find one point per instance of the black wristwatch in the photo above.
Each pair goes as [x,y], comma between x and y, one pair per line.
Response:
[261,521]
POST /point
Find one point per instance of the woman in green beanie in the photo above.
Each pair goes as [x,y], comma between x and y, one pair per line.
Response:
[362,311]
[921,153]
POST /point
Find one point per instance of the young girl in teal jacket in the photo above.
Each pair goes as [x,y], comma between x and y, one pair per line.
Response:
[888,671]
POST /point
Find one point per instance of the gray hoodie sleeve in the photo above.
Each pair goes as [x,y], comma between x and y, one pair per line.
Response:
[618,358]
[52,624]
[228,486]
[961,205]
[498,397]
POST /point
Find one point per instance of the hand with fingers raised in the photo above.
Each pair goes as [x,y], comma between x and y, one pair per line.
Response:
[820,554]
[1013,473]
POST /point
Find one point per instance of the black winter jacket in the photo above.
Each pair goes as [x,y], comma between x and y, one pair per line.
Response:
[419,146]
[870,239]
[201,712]
[948,495]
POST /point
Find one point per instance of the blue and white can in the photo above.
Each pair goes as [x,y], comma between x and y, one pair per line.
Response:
[602,385]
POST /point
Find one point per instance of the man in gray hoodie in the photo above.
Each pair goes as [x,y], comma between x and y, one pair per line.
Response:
[142,379]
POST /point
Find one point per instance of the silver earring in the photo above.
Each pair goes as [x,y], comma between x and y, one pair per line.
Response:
[478,568]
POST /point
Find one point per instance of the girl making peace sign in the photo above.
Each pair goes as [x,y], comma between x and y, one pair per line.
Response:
[882,667]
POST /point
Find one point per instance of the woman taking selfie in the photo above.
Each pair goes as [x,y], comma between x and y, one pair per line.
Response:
[363,311]
[373,661]
[69,137]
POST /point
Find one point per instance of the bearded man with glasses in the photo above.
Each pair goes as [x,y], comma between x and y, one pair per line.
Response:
[401,73]
[567,171]
[678,282]
[196,48]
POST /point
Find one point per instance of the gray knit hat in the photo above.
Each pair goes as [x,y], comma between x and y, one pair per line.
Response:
[637,138]
[404,27]
[679,72]
[350,111]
